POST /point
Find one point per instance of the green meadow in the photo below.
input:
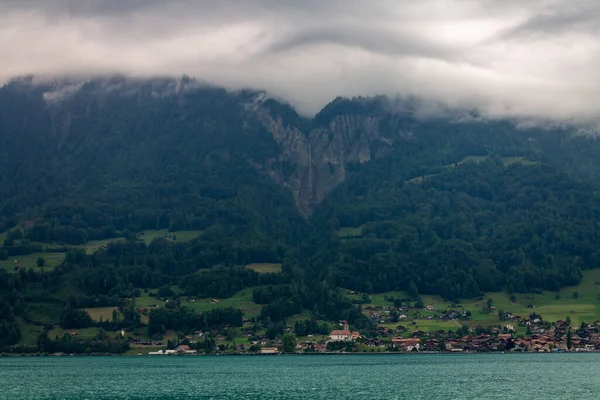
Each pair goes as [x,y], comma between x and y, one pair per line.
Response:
[265,268]
[580,303]
[100,313]
[241,300]
[30,261]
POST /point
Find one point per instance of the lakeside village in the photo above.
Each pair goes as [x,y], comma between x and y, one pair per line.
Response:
[540,336]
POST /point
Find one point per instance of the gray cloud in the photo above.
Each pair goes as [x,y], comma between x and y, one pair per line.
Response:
[530,59]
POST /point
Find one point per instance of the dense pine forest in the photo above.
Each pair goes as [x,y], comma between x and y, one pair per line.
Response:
[371,195]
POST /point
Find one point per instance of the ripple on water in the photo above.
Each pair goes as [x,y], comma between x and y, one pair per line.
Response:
[489,376]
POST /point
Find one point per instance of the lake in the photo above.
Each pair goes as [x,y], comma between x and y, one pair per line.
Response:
[443,376]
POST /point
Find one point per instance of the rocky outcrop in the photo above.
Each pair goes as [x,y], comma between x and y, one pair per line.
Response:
[312,164]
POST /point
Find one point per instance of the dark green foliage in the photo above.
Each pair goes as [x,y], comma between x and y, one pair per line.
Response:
[288,343]
[188,321]
[438,209]
[466,229]
[75,319]
[310,327]
[10,332]
[72,345]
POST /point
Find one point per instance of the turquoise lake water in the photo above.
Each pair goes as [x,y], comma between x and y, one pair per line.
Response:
[487,376]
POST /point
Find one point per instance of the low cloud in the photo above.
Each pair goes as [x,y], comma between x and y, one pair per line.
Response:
[526,59]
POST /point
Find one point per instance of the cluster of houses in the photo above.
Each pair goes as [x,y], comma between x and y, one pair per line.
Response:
[542,339]
[388,314]
[541,336]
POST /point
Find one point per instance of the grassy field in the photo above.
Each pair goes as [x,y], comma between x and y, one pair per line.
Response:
[349,232]
[29,332]
[378,299]
[505,160]
[86,333]
[170,335]
[30,260]
[102,312]
[146,236]
[241,300]
[177,236]
[54,259]
[513,160]
[580,303]
[148,301]
[420,179]
[93,245]
[477,159]
[265,268]
[44,312]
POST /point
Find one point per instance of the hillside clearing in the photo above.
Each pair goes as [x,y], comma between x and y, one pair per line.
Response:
[265,268]
[100,313]
[241,300]
[30,261]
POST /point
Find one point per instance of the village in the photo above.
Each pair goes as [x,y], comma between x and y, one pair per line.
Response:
[540,337]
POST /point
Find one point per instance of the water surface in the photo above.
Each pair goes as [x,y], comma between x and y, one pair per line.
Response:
[487,376]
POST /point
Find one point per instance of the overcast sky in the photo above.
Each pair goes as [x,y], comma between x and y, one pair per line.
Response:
[531,58]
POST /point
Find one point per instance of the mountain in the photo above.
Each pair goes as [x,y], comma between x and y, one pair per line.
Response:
[372,194]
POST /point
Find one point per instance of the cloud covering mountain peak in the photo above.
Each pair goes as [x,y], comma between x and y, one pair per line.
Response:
[536,59]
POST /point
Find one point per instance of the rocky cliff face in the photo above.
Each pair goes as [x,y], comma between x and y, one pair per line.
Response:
[312,159]
[314,163]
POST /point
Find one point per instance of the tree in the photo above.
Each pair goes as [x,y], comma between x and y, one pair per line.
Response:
[165,291]
[288,343]
[568,319]
[413,291]
[569,339]
[419,303]
[489,303]
[40,262]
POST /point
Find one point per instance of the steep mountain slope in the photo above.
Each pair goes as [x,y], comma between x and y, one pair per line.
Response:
[450,202]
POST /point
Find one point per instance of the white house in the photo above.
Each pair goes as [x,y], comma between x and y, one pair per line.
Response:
[343,335]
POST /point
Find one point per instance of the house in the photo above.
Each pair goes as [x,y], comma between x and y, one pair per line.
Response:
[162,353]
[455,345]
[520,345]
[410,344]
[184,349]
[320,348]
[355,335]
[269,350]
[373,342]
[343,335]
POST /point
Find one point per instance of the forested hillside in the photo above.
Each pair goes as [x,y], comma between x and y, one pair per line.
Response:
[370,195]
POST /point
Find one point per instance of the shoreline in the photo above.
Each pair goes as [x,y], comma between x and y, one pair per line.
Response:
[389,353]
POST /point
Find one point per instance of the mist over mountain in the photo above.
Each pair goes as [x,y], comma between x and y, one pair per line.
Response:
[372,193]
